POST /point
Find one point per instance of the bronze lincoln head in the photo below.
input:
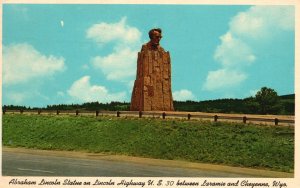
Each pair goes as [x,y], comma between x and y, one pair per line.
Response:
[155,36]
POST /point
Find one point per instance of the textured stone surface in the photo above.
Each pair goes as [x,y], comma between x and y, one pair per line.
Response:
[152,87]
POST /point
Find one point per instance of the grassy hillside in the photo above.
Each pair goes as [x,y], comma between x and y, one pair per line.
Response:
[198,141]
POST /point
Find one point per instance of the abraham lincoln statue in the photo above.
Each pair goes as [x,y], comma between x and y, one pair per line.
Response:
[152,87]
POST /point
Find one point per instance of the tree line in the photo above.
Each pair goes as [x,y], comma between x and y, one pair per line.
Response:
[91,106]
[266,101]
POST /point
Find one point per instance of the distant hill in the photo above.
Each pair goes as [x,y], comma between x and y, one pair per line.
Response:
[290,96]
[285,106]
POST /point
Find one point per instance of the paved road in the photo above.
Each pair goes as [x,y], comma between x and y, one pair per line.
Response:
[16,163]
[21,164]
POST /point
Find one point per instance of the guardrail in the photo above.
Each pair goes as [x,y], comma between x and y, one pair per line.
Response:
[162,115]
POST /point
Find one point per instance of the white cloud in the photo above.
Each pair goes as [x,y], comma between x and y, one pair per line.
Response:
[223,78]
[119,66]
[62,23]
[183,95]
[108,32]
[233,52]
[247,31]
[82,91]
[262,22]
[22,62]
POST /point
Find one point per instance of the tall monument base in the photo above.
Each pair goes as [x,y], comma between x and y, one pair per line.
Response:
[152,87]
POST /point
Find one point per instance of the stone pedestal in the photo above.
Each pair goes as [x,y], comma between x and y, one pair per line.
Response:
[152,87]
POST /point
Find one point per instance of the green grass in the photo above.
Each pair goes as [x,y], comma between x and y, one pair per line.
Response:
[198,141]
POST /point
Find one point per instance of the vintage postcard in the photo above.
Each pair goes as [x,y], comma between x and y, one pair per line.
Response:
[152,94]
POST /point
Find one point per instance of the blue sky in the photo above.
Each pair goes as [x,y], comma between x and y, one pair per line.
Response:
[56,54]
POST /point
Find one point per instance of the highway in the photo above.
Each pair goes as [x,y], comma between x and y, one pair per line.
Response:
[25,162]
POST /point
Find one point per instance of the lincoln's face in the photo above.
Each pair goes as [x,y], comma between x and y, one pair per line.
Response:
[155,38]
